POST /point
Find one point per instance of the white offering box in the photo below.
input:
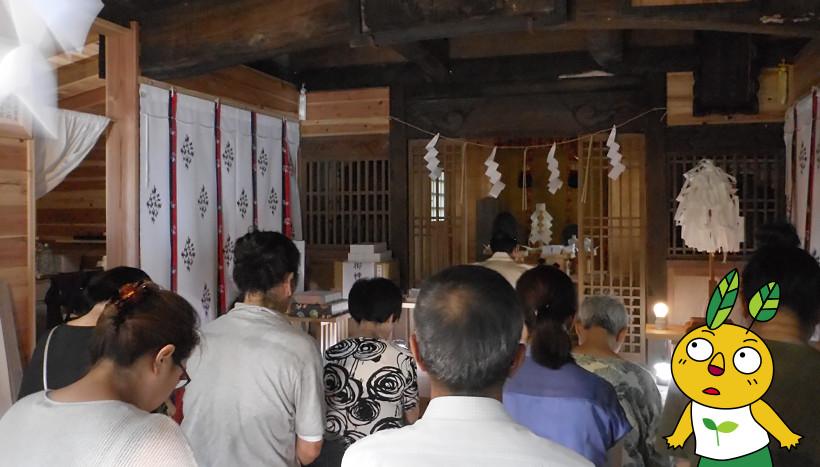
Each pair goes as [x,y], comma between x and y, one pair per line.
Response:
[368,248]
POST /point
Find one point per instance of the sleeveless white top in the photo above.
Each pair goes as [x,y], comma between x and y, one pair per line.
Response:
[726,433]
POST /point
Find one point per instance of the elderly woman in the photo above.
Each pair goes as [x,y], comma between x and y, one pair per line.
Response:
[601,328]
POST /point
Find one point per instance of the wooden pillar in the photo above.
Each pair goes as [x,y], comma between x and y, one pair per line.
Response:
[399,186]
[17,233]
[657,187]
[122,147]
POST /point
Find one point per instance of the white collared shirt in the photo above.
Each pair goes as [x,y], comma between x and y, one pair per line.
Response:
[505,265]
[461,431]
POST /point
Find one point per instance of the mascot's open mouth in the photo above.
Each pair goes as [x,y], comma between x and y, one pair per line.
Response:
[711,391]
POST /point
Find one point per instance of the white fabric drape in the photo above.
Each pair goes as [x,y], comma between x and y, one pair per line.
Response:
[196,204]
[803,163]
[269,173]
[76,134]
[236,191]
[155,185]
[294,139]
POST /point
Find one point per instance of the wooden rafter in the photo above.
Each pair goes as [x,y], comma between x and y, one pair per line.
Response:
[79,77]
[243,31]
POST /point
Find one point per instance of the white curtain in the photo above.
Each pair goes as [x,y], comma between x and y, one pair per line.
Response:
[155,184]
[269,173]
[804,154]
[76,134]
[236,191]
[196,204]
[293,138]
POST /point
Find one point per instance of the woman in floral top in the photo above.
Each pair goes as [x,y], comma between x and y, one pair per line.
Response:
[370,383]
[601,328]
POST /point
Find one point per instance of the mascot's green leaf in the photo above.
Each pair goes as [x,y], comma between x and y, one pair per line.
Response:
[764,303]
[727,427]
[723,299]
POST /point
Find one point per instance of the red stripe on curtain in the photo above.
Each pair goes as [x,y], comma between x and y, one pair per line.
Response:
[222,298]
[253,165]
[173,126]
[288,221]
[812,156]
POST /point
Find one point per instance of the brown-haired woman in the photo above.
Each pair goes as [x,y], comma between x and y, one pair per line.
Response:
[139,349]
[550,394]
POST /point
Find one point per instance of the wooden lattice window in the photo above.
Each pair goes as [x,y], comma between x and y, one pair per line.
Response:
[438,201]
[760,187]
[347,202]
[612,220]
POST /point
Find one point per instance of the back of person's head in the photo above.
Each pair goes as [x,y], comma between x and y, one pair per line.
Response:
[377,300]
[777,234]
[549,300]
[468,328]
[106,286]
[604,312]
[504,236]
[263,260]
[795,270]
[143,320]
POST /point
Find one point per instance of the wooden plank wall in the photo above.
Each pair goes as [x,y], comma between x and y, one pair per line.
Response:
[350,112]
[76,207]
[16,234]
[246,85]
[680,95]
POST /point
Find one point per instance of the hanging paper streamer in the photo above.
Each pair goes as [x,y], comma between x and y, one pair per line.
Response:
[555,182]
[614,156]
[540,225]
[494,175]
[432,158]
[709,210]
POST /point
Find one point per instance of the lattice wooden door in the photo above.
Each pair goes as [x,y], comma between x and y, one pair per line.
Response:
[612,214]
[438,209]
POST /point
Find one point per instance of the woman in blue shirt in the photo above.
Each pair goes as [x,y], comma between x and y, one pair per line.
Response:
[550,394]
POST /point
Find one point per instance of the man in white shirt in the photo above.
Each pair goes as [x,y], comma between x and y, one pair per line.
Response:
[256,396]
[468,325]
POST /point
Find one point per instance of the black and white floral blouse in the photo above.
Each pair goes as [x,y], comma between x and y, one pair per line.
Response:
[369,384]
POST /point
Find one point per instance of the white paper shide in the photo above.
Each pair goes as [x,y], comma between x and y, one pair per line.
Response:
[709,210]
[554,184]
[431,157]
[497,186]
[614,155]
[540,225]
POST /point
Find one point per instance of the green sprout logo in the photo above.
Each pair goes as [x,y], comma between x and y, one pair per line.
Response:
[725,427]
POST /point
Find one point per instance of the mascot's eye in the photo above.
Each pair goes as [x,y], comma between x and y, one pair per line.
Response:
[747,360]
[699,349]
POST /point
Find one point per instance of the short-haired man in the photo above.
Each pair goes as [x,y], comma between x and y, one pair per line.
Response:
[468,329]
[256,394]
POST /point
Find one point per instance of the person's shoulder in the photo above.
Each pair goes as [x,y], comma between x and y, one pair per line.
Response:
[526,443]
[372,447]
[23,407]
[156,428]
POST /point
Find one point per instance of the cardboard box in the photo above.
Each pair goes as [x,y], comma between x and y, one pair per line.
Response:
[386,269]
[301,310]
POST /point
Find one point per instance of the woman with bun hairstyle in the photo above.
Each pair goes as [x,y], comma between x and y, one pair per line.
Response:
[69,356]
[551,395]
[138,354]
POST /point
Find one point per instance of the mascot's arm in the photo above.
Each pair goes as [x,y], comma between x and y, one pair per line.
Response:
[772,423]
[683,430]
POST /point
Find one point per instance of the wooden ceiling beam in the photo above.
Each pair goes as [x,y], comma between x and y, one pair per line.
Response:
[806,69]
[431,56]
[194,37]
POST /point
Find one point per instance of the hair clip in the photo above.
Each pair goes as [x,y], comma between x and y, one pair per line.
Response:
[129,295]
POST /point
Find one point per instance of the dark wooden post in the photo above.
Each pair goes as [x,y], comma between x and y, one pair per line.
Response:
[399,186]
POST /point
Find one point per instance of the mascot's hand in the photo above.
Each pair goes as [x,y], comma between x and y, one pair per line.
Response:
[790,441]
[676,440]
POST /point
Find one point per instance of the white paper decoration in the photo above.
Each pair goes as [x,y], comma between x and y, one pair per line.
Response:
[494,175]
[540,225]
[709,210]
[432,158]
[555,182]
[614,156]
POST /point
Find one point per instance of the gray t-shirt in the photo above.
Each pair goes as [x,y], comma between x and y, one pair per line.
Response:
[256,384]
[37,431]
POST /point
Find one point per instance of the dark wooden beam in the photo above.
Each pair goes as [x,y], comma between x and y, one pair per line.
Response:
[399,187]
[197,36]
[200,36]
[431,56]
[522,68]
[806,69]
